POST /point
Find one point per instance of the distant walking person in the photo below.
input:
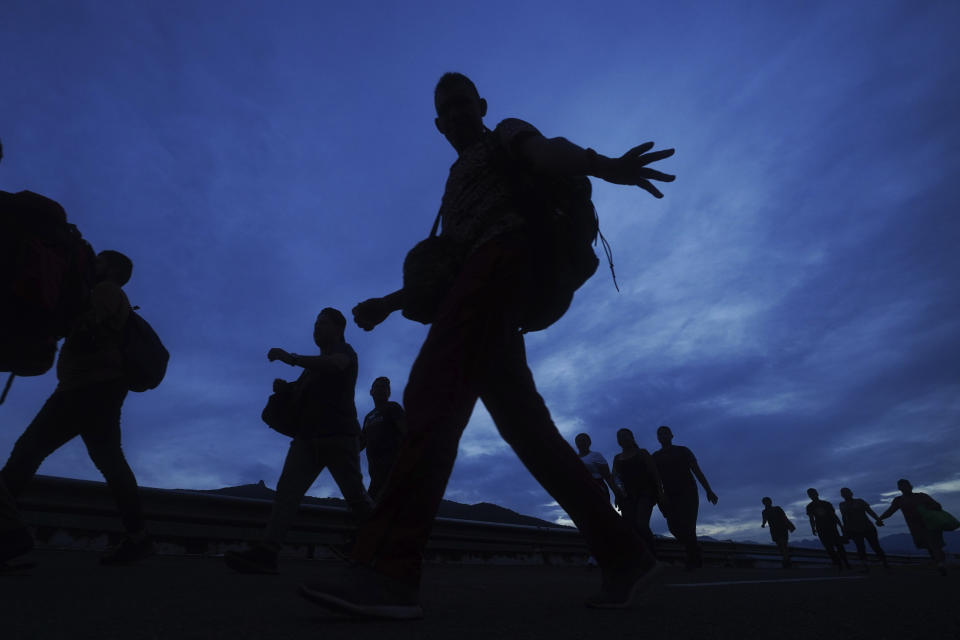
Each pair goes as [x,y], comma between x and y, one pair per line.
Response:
[637,476]
[912,503]
[87,401]
[383,430]
[327,437]
[678,467]
[858,527]
[475,349]
[596,464]
[780,528]
[823,524]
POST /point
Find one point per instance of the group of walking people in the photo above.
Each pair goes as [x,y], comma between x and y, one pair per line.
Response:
[640,480]
[854,525]
[501,250]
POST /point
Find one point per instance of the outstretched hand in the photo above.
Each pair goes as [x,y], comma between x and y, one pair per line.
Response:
[369,313]
[631,168]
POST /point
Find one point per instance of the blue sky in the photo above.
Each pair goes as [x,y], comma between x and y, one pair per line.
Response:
[790,308]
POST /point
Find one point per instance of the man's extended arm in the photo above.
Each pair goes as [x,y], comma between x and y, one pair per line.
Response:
[331,363]
[559,156]
[369,313]
[892,509]
[711,496]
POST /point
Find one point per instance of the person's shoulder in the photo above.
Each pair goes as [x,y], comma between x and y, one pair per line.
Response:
[396,409]
[510,130]
[346,349]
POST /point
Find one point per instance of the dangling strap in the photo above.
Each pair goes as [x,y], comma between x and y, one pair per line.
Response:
[609,253]
[436,223]
[6,388]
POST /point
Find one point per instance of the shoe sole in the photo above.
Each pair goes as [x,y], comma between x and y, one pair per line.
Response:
[383,612]
[242,565]
[643,583]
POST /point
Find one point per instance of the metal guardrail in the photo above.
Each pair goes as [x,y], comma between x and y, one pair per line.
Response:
[66,513]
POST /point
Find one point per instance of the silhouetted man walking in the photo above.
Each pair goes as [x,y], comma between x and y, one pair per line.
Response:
[383,429]
[679,471]
[911,503]
[853,512]
[87,401]
[823,524]
[641,488]
[327,437]
[475,350]
[780,528]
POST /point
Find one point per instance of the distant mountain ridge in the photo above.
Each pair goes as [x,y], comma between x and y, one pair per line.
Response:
[482,511]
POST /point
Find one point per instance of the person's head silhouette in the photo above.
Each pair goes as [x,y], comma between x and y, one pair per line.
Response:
[904,485]
[460,110]
[813,494]
[846,493]
[329,327]
[664,436]
[625,438]
[767,502]
[380,390]
[583,443]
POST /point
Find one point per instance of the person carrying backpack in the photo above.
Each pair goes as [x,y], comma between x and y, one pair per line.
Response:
[475,349]
[92,386]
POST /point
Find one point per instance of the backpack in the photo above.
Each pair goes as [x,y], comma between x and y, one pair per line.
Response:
[46,273]
[562,228]
[144,356]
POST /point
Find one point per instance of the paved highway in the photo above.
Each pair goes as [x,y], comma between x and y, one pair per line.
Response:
[68,595]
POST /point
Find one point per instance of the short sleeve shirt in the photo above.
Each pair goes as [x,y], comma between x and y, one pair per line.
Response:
[823,514]
[777,520]
[674,465]
[327,407]
[382,430]
[854,513]
[908,504]
[478,201]
[596,463]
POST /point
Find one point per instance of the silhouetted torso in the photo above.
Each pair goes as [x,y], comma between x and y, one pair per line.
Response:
[382,430]
[94,355]
[824,516]
[478,202]
[854,514]
[636,477]
[908,505]
[777,521]
[673,464]
[328,407]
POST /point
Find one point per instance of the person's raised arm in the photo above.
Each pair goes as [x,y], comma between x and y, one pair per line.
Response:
[332,363]
[763,518]
[559,156]
[369,313]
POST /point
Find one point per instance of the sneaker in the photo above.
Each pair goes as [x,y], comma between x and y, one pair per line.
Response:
[15,542]
[131,549]
[258,559]
[361,591]
[620,587]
